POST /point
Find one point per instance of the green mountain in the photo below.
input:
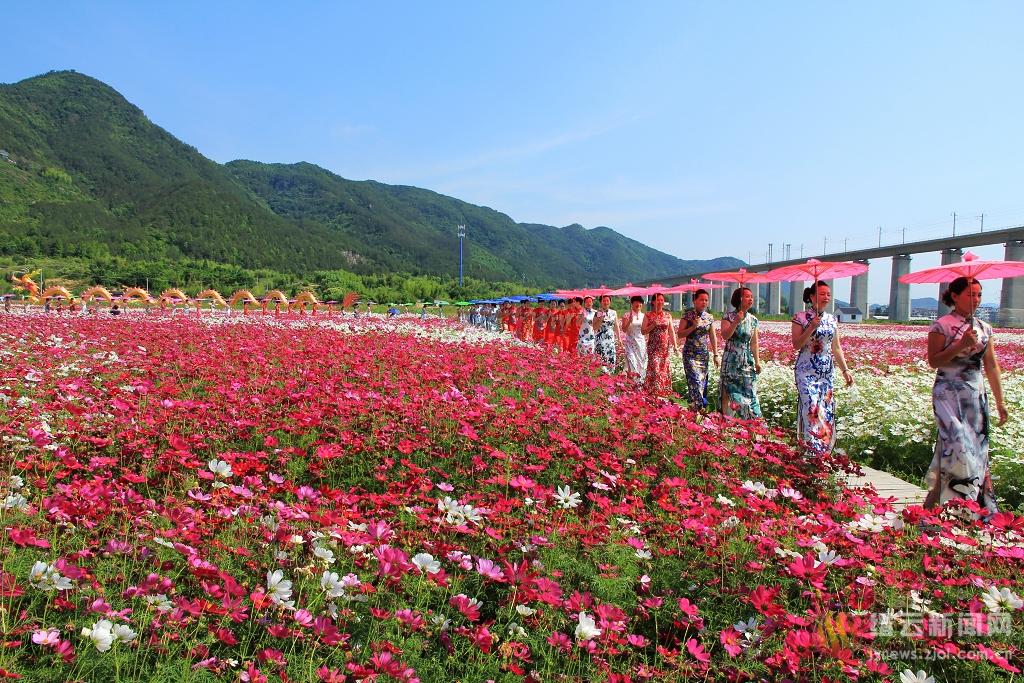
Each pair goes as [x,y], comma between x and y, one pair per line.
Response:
[87,175]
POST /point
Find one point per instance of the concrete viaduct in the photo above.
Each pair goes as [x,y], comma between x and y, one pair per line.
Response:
[1011,305]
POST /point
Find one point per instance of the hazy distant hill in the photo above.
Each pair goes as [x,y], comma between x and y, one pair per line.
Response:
[92,176]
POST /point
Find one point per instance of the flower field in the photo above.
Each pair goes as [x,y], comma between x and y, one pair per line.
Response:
[254,499]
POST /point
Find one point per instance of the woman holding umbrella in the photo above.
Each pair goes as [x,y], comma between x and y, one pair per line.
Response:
[697,327]
[607,333]
[816,338]
[959,347]
[740,362]
[657,326]
[633,339]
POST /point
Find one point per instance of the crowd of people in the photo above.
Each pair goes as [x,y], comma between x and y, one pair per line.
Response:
[960,348]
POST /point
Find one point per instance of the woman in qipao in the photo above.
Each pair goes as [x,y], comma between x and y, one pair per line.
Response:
[816,338]
[697,327]
[959,347]
[740,363]
[607,334]
[586,340]
[633,341]
[661,338]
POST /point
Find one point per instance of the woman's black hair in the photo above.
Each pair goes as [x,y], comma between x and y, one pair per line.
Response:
[578,299]
[957,287]
[809,292]
[699,292]
[636,297]
[737,297]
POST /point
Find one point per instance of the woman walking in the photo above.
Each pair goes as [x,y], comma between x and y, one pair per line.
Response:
[697,327]
[816,338]
[607,334]
[740,362]
[661,339]
[586,340]
[633,341]
[959,347]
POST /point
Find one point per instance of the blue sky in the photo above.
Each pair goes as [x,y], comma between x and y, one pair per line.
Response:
[699,128]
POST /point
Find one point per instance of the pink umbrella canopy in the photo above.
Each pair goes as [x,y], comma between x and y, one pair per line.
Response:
[817,270]
[971,266]
[628,290]
[740,276]
[691,286]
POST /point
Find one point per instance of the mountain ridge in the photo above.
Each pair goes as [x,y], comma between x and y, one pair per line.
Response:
[93,177]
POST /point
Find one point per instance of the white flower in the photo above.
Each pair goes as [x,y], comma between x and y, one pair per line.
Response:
[755,487]
[123,633]
[45,577]
[425,562]
[100,634]
[15,501]
[16,482]
[1000,599]
[159,601]
[220,468]
[828,557]
[643,554]
[722,500]
[326,555]
[748,628]
[279,589]
[331,584]
[586,629]
[566,498]
[908,676]
[525,610]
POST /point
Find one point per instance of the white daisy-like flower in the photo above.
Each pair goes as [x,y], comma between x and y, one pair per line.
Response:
[525,610]
[586,629]
[220,468]
[331,584]
[908,676]
[566,499]
[425,562]
[279,589]
[100,634]
[1001,600]
[123,633]
[325,555]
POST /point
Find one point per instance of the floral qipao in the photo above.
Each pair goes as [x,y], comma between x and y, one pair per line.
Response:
[605,339]
[659,381]
[960,465]
[738,375]
[586,340]
[696,354]
[816,414]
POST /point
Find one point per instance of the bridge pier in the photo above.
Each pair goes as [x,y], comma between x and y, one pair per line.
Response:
[730,287]
[899,293]
[952,255]
[796,297]
[859,291]
[1011,301]
[774,298]
[831,308]
[677,302]
[716,300]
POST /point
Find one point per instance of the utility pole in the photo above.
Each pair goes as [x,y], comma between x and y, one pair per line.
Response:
[770,245]
[846,240]
[982,217]
[904,235]
[801,250]
[462,235]
[954,224]
[879,236]
[825,250]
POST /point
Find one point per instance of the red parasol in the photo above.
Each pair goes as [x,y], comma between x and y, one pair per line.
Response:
[971,266]
[741,277]
[629,290]
[817,270]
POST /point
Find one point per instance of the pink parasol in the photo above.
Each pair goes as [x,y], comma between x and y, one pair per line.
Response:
[628,290]
[691,286]
[741,277]
[817,270]
[971,266]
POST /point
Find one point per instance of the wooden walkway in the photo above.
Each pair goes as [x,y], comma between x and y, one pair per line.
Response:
[903,493]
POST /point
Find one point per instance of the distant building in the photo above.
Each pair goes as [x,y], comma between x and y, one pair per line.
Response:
[849,314]
[5,155]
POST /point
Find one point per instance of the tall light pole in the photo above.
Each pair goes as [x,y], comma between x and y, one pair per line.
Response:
[462,235]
